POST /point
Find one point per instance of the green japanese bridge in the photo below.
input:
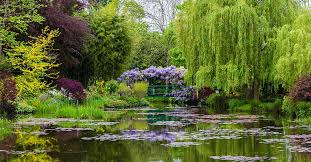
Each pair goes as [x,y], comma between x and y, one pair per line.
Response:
[161,90]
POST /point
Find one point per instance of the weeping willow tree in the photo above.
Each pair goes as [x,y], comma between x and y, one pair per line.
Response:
[230,44]
[292,57]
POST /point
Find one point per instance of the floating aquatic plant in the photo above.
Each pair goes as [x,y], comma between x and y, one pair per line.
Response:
[181,144]
[242,158]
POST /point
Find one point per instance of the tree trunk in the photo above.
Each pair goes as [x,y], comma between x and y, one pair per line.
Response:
[256,93]
[253,92]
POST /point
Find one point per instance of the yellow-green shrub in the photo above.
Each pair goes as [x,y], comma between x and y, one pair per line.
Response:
[124,90]
[140,89]
[33,61]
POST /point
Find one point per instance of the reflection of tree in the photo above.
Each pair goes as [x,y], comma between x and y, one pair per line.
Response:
[141,151]
[130,151]
[133,125]
[35,148]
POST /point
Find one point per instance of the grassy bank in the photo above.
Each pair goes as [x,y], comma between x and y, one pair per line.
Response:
[91,108]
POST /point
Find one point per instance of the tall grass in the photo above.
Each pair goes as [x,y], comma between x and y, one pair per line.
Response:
[91,109]
[5,129]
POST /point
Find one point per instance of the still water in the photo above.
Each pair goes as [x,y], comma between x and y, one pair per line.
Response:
[172,134]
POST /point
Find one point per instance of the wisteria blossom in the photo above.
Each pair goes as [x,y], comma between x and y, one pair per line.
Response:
[155,75]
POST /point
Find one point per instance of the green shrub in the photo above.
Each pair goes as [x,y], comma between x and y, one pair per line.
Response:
[235,103]
[289,106]
[254,103]
[22,107]
[136,102]
[99,87]
[111,87]
[269,107]
[303,109]
[140,89]
[116,103]
[239,105]
[4,63]
[124,90]
[294,109]
[245,107]
[217,101]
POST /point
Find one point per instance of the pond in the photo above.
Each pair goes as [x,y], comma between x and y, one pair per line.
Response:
[171,134]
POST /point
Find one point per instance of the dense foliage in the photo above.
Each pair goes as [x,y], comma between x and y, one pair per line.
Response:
[176,56]
[301,91]
[110,45]
[150,51]
[72,89]
[234,44]
[15,18]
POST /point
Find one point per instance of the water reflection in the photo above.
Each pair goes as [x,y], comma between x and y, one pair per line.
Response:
[28,144]
[159,135]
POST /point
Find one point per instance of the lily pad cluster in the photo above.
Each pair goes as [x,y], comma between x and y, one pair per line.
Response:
[135,135]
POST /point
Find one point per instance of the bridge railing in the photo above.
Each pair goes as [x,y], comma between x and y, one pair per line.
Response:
[161,90]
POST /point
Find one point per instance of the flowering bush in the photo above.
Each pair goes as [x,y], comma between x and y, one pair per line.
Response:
[72,89]
[191,94]
[302,89]
[154,75]
[184,95]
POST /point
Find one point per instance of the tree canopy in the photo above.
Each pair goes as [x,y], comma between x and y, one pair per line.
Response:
[110,44]
[15,18]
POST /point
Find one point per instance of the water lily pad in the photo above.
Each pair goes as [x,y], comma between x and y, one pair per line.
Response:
[103,123]
[181,144]
[275,140]
[242,158]
[135,135]
[170,123]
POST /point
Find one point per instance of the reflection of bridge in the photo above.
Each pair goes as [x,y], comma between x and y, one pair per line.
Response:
[161,90]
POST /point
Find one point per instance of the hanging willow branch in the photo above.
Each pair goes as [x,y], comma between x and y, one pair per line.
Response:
[230,44]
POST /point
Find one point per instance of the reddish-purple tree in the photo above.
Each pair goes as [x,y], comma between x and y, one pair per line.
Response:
[71,89]
[8,90]
[74,30]
[301,91]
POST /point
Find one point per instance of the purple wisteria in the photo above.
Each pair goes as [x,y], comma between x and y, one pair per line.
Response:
[186,94]
[155,75]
